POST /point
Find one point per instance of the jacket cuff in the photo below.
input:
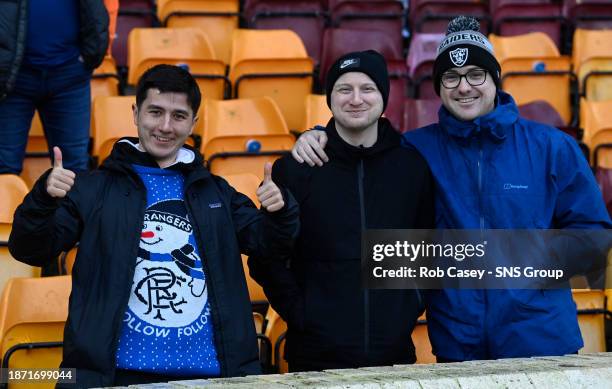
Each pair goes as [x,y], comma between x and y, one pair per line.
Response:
[41,196]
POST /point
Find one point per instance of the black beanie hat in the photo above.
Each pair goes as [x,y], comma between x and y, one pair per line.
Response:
[465,45]
[369,62]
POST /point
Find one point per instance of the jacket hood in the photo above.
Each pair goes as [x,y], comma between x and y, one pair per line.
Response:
[496,123]
[387,138]
[125,153]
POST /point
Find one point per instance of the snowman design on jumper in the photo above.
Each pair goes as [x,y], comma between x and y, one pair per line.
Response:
[169,283]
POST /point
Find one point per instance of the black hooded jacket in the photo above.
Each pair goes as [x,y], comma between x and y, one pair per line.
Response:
[332,321]
[104,212]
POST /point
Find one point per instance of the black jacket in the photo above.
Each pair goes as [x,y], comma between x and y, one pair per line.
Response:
[93,37]
[104,212]
[332,321]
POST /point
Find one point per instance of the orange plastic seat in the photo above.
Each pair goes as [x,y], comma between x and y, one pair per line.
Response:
[247,183]
[10,266]
[592,60]
[596,121]
[591,318]
[272,63]
[533,69]
[105,81]
[12,191]
[187,47]
[217,18]
[317,112]
[420,338]
[112,119]
[276,329]
[33,311]
[228,128]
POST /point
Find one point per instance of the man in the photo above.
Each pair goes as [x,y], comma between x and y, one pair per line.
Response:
[48,52]
[158,287]
[496,170]
[332,321]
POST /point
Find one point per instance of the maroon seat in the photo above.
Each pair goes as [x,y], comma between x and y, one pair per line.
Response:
[516,17]
[421,55]
[588,14]
[541,111]
[337,42]
[433,15]
[132,14]
[385,16]
[420,113]
[305,17]
[604,179]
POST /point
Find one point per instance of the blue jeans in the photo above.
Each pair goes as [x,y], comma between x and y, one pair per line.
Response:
[61,95]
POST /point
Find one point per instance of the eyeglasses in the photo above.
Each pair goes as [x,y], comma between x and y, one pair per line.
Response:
[474,77]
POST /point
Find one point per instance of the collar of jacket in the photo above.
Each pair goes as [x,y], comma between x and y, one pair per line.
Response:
[495,124]
[124,155]
[387,138]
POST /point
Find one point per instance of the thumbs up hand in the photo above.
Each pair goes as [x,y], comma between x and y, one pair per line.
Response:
[268,193]
[59,180]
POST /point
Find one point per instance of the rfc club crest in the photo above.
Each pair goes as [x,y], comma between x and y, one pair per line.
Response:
[459,56]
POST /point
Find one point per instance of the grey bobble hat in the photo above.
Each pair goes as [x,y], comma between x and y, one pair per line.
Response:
[464,45]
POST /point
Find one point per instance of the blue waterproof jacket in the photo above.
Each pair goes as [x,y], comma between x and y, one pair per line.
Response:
[501,171]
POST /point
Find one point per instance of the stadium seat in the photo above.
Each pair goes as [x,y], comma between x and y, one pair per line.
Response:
[132,14]
[338,41]
[188,47]
[33,312]
[276,329]
[112,119]
[239,136]
[105,80]
[419,113]
[305,17]
[596,122]
[533,69]
[12,191]
[217,18]
[588,14]
[421,56]
[592,60]
[9,265]
[37,159]
[420,338]
[317,113]
[433,15]
[603,175]
[247,183]
[591,318]
[383,16]
[272,63]
[517,17]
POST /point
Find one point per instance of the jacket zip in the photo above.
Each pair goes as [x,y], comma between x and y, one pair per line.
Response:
[366,292]
[211,294]
[126,299]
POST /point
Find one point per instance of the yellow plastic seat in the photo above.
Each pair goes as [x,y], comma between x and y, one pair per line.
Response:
[533,69]
[272,63]
[317,112]
[596,121]
[217,18]
[10,266]
[105,81]
[592,61]
[112,119]
[34,310]
[591,319]
[188,47]
[420,339]
[230,126]
[12,191]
